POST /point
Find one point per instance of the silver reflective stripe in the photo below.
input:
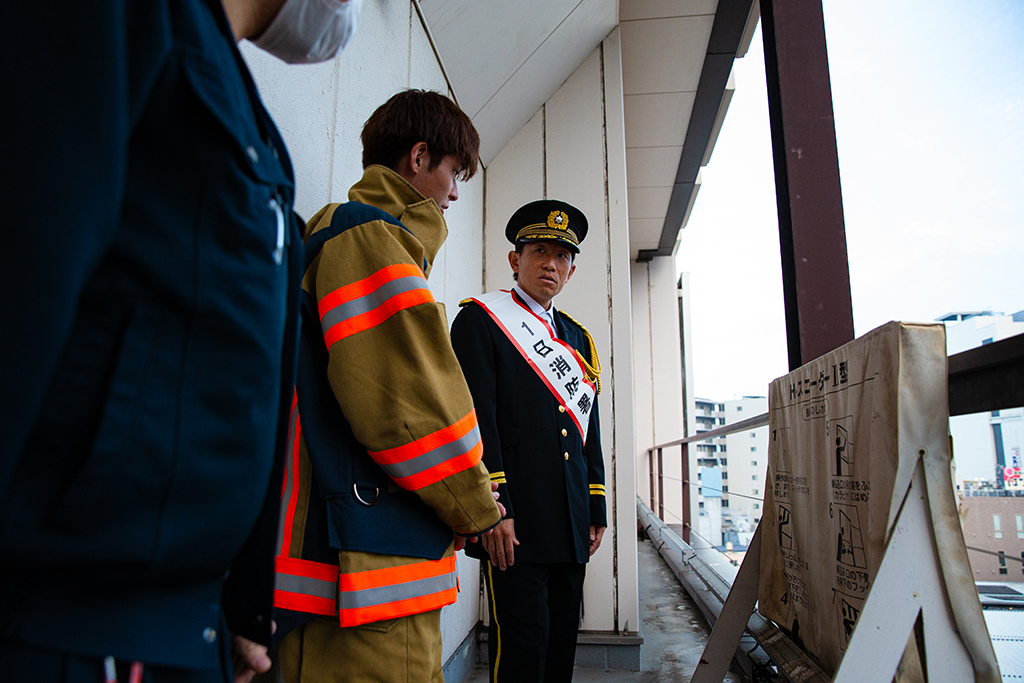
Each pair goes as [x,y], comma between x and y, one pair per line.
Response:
[368,302]
[306,586]
[424,462]
[369,597]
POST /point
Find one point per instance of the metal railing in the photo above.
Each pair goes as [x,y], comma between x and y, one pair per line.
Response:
[656,466]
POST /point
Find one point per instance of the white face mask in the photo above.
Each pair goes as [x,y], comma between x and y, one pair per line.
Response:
[308,31]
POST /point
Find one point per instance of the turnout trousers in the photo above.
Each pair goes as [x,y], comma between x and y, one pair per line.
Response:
[535,616]
[403,650]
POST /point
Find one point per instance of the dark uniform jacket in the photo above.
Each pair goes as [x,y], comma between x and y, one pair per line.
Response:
[151,276]
[550,483]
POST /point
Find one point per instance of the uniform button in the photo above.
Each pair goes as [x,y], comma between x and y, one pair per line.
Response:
[565,433]
[251,151]
[561,409]
[566,455]
[209,635]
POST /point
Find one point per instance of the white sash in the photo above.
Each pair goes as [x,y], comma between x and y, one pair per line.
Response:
[554,361]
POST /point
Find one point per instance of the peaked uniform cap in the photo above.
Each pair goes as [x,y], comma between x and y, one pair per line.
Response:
[548,219]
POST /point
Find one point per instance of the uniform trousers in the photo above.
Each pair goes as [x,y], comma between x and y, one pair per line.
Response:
[535,616]
[403,650]
[31,664]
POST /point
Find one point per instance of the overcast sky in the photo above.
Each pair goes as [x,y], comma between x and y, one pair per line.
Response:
[929,112]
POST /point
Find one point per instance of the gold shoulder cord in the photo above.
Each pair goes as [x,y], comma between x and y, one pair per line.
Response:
[593,364]
[464,302]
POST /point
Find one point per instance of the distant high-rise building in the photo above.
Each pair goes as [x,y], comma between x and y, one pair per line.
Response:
[731,503]
[748,458]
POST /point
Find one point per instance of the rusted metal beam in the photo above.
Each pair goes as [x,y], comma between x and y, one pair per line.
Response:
[989,377]
[812,233]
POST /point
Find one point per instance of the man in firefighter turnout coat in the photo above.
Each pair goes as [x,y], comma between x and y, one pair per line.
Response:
[534,375]
[384,479]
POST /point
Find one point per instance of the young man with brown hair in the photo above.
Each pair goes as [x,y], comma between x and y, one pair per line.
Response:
[384,479]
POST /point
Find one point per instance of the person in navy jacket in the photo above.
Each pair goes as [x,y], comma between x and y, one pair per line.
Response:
[149,279]
[542,445]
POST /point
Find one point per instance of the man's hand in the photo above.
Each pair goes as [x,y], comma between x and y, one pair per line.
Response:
[494,492]
[596,534]
[460,541]
[500,543]
[249,659]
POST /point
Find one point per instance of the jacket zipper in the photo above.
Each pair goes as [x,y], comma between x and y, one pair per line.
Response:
[278,208]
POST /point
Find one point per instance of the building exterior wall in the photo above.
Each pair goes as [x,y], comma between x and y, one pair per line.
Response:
[573,149]
[747,458]
[980,516]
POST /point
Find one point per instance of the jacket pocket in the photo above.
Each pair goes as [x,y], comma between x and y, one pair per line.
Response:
[510,437]
[116,494]
[392,524]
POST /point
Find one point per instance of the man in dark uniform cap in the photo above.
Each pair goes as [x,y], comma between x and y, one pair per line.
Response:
[534,375]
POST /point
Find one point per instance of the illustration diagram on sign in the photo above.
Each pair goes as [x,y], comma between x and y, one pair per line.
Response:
[785,530]
[849,540]
[842,448]
[849,610]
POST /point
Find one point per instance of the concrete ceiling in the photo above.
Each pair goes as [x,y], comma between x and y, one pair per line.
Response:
[505,60]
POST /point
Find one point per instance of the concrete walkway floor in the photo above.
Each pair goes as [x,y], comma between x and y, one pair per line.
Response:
[673,629]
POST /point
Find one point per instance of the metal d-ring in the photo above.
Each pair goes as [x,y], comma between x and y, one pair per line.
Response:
[355,490]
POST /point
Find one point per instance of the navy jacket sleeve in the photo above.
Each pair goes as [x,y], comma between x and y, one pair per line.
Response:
[595,471]
[471,339]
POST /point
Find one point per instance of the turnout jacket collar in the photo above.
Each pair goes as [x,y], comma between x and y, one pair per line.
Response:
[385,189]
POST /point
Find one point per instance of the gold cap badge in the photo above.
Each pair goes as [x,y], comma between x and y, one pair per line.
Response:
[558,220]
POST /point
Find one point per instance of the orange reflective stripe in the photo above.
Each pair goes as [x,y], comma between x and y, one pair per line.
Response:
[290,484]
[393,592]
[365,597]
[403,608]
[435,456]
[305,586]
[368,302]
[389,576]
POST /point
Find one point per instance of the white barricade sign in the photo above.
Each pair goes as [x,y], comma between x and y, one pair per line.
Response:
[847,432]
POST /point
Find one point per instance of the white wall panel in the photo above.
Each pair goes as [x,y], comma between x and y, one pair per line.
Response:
[657,120]
[668,390]
[665,55]
[309,136]
[647,9]
[515,177]
[458,268]
[653,166]
[643,378]
[620,368]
